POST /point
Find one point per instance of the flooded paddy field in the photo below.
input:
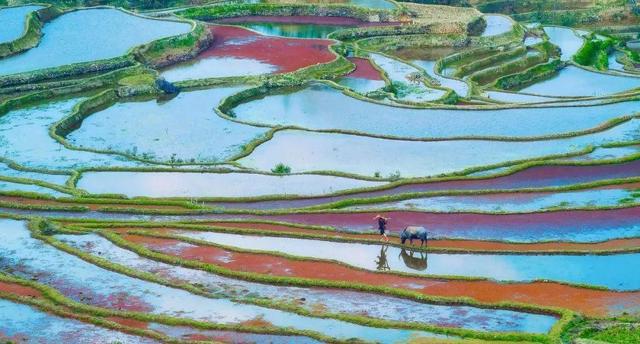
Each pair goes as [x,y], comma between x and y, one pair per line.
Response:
[14,20]
[104,37]
[238,51]
[265,172]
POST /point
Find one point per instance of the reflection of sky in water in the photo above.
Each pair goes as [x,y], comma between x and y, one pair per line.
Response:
[105,33]
[509,203]
[400,74]
[9,186]
[322,107]
[13,21]
[308,151]
[564,38]
[185,127]
[41,150]
[582,83]
[496,25]
[293,30]
[611,271]
[458,86]
[59,269]
[174,184]
[374,305]
[361,85]
[216,67]
[21,320]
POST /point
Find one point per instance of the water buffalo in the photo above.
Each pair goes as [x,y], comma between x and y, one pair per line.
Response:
[414,260]
[414,232]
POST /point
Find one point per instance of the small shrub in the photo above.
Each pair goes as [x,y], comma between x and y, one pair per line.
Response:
[394,176]
[281,169]
[45,227]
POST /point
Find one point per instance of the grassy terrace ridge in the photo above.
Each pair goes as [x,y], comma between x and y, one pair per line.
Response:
[138,249]
[32,33]
[500,62]
[303,282]
[161,52]
[334,235]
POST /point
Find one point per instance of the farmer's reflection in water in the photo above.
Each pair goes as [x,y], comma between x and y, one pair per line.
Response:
[416,260]
[382,264]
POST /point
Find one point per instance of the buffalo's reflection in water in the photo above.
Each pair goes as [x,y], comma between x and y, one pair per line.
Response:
[416,260]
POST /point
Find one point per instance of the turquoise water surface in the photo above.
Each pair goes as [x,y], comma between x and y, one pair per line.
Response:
[13,21]
[611,271]
[89,35]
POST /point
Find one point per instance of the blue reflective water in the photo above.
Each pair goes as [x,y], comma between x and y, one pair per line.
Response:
[611,271]
[185,127]
[216,67]
[458,86]
[311,151]
[9,187]
[379,4]
[322,107]
[565,38]
[333,301]
[88,283]
[41,150]
[184,184]
[293,30]
[407,81]
[7,171]
[13,21]
[497,24]
[511,203]
[28,324]
[361,85]
[573,81]
[89,35]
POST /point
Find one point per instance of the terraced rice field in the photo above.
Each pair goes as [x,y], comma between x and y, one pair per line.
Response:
[215,173]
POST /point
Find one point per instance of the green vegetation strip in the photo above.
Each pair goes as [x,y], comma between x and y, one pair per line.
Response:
[205,243]
[303,282]
[284,10]
[333,235]
[33,31]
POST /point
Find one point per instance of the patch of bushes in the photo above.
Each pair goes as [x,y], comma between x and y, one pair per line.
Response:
[477,26]
[594,53]
[166,51]
[393,43]
[530,76]
[490,60]
[265,9]
[459,3]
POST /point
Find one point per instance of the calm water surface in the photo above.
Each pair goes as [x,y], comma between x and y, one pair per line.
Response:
[334,301]
[13,21]
[611,271]
[104,34]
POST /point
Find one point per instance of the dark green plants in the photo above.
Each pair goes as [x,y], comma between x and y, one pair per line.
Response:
[281,169]
[594,53]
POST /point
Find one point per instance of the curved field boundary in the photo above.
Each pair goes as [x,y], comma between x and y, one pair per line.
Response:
[32,31]
[117,240]
[225,110]
[151,52]
[437,245]
[266,254]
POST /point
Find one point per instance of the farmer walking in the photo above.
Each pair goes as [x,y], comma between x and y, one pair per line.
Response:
[382,226]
